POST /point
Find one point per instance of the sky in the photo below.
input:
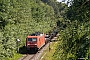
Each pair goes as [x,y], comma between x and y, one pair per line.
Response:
[62,0]
[59,0]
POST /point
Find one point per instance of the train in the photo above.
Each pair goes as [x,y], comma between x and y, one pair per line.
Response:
[37,40]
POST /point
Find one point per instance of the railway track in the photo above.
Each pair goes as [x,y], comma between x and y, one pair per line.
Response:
[36,55]
[27,57]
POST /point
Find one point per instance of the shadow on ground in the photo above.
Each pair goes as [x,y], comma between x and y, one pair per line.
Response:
[23,50]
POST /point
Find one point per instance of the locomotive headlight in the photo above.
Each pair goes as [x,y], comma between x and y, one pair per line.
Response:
[28,44]
[35,44]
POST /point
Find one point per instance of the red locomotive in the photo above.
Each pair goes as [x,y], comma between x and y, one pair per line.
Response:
[35,41]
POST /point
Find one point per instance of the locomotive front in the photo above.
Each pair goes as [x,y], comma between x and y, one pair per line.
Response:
[31,42]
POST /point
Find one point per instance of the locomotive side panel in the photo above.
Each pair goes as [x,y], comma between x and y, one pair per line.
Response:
[41,41]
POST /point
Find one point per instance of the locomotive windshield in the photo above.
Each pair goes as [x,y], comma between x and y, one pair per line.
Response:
[32,39]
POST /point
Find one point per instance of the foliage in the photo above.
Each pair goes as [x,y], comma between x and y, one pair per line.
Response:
[74,42]
[59,8]
[79,10]
[74,38]
[19,18]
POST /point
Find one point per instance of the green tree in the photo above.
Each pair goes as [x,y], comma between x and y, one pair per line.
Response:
[19,18]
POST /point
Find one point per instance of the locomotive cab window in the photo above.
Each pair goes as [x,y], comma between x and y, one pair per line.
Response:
[32,39]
